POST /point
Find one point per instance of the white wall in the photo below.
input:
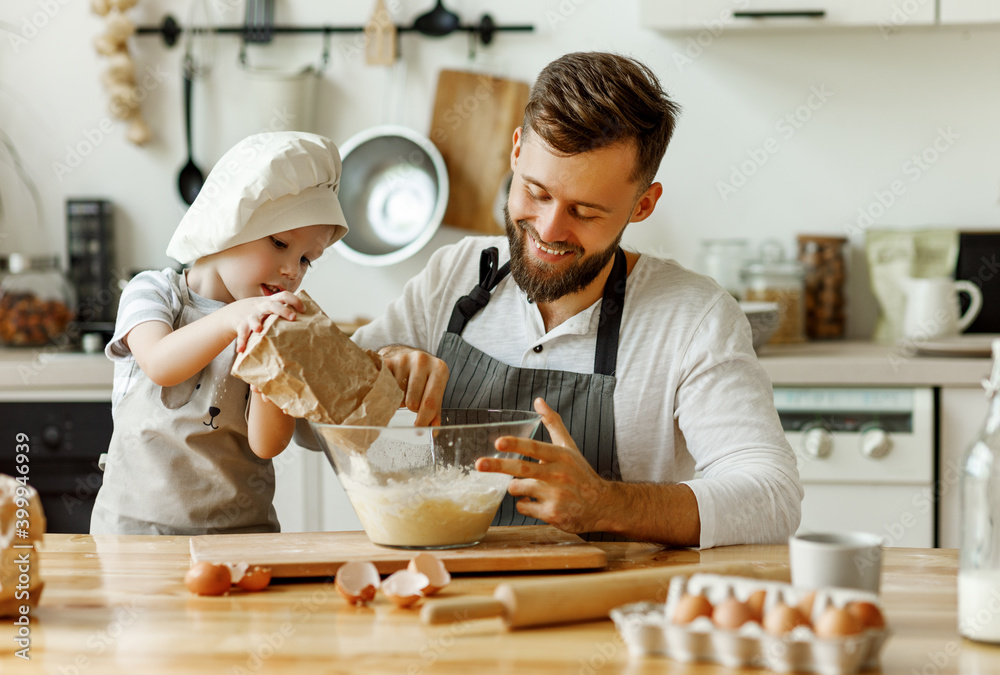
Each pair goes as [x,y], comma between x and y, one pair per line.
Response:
[888,98]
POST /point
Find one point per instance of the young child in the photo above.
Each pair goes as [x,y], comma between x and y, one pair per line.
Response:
[191,449]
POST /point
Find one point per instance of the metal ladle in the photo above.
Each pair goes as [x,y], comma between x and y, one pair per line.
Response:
[437,22]
[190,179]
[198,55]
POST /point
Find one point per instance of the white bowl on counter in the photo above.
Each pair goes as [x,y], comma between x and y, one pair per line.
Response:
[764,317]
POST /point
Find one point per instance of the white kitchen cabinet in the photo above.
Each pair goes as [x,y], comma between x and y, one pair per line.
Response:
[962,413]
[716,16]
[969,11]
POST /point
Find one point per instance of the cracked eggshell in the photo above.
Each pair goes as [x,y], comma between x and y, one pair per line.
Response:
[357,582]
[430,566]
[405,587]
[255,578]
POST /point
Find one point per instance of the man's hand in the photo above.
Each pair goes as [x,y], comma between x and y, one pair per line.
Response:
[566,490]
[422,377]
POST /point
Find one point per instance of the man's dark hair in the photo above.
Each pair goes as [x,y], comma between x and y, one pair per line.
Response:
[589,100]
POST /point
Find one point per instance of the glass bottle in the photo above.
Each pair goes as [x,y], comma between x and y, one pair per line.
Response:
[979,558]
[36,303]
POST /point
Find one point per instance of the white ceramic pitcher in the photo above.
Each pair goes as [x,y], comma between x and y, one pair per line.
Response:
[932,309]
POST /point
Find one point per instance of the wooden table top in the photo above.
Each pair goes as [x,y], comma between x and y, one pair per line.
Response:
[119,605]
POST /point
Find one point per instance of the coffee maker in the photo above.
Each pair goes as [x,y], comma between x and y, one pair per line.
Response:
[91,269]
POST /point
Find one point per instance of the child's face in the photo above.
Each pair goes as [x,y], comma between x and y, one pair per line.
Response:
[274,263]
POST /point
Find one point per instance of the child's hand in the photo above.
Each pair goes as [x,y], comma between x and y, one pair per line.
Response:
[249,314]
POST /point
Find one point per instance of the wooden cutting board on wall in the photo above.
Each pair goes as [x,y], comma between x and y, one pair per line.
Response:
[319,554]
[472,125]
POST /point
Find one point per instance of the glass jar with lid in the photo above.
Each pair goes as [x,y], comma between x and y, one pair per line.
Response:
[722,259]
[774,278]
[37,303]
[979,557]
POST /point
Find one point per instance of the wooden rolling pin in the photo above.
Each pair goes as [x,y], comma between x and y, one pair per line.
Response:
[541,602]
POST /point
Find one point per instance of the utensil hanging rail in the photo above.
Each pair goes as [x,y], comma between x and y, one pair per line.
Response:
[171,30]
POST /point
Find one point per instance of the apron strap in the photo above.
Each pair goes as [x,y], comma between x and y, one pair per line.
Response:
[489,276]
[609,327]
[606,353]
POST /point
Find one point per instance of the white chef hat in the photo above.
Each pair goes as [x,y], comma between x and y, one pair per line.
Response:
[265,184]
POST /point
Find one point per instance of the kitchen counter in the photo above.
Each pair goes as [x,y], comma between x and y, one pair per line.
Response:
[857,363]
[45,368]
[843,363]
[119,605]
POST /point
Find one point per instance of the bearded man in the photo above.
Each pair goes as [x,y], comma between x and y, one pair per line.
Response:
[643,371]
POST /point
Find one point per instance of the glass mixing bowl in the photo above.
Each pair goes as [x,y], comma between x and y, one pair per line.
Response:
[417,487]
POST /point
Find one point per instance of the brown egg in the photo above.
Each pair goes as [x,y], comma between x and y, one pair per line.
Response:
[731,614]
[781,619]
[255,579]
[806,603]
[867,613]
[756,604]
[837,622]
[205,578]
[690,607]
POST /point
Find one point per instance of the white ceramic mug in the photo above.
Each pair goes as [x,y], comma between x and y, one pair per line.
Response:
[932,309]
[841,560]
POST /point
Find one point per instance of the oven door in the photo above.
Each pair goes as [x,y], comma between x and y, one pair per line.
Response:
[66,436]
[865,458]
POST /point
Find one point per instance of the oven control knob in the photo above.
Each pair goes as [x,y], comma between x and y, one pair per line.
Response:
[817,441]
[875,443]
[51,437]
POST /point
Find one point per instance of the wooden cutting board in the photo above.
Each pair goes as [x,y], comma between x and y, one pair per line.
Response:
[472,125]
[319,554]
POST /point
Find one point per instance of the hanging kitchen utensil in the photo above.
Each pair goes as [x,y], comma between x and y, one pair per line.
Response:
[199,54]
[380,37]
[474,118]
[258,26]
[199,39]
[190,179]
[437,22]
[280,99]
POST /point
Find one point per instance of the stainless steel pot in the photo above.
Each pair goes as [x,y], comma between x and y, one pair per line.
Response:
[394,192]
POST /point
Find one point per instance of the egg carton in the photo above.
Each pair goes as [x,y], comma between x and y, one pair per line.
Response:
[647,630]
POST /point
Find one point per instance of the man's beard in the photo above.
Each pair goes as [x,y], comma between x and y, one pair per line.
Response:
[541,281]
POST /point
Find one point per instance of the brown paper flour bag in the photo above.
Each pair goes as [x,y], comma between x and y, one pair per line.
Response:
[310,369]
